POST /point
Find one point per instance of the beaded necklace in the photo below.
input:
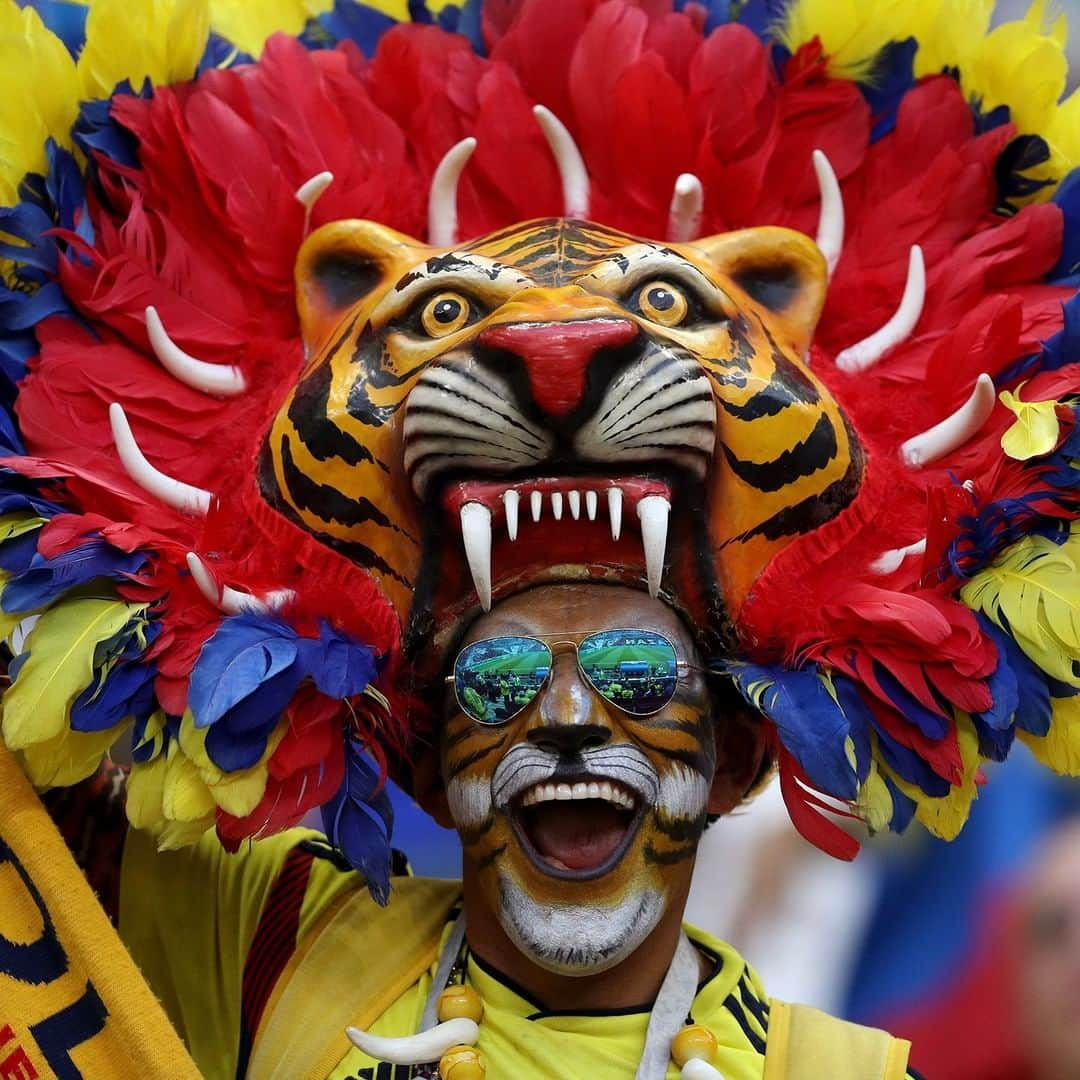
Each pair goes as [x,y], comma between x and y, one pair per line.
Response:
[445,1046]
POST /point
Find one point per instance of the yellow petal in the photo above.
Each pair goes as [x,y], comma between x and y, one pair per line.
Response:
[39,95]
[160,40]
[1059,749]
[1035,431]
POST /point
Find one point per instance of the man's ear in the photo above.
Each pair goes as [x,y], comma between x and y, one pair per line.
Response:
[428,788]
[341,264]
[780,270]
[740,761]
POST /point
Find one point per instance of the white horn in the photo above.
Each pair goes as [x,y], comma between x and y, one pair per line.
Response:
[309,193]
[220,380]
[417,1049]
[442,200]
[684,218]
[575,178]
[954,430]
[186,498]
[890,560]
[830,230]
[232,601]
[870,350]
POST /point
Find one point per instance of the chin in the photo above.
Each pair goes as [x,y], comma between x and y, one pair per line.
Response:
[577,938]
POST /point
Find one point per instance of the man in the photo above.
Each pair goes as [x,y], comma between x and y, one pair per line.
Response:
[579,823]
[268,484]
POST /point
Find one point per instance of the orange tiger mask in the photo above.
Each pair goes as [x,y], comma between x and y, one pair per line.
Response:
[652,396]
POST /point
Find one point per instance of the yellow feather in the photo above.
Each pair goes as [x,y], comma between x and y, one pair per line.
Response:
[160,40]
[874,804]
[1059,749]
[1036,429]
[39,95]
[144,793]
[184,795]
[237,793]
[1032,590]
[68,757]
[248,25]
[60,666]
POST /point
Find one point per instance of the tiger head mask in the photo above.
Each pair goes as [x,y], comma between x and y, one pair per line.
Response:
[652,399]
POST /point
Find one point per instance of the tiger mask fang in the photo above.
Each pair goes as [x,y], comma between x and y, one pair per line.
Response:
[653,398]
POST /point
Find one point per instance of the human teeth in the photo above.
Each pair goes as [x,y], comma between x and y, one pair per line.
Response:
[563,792]
[590,504]
[653,512]
[574,499]
[594,791]
[549,792]
[605,791]
[580,791]
[614,506]
[556,504]
[536,504]
[476,533]
[510,502]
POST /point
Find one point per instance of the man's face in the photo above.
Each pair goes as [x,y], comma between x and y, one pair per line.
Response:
[579,821]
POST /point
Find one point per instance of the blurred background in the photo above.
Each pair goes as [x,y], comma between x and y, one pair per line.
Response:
[970,949]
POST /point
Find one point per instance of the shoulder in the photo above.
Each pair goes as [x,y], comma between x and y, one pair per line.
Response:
[799,1042]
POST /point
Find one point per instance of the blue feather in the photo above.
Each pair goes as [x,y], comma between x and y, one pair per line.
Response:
[811,725]
[339,666]
[1067,197]
[890,78]
[1003,685]
[907,764]
[46,579]
[859,720]
[232,750]
[18,552]
[127,690]
[903,808]
[359,821]
[66,20]
[243,652]
[931,724]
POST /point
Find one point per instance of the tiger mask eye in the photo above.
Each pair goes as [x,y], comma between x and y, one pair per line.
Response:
[445,314]
[663,303]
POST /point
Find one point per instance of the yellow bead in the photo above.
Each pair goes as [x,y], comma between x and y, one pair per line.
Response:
[693,1043]
[461,1063]
[457,1001]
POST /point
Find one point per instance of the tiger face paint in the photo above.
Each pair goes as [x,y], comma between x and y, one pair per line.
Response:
[650,398]
[580,822]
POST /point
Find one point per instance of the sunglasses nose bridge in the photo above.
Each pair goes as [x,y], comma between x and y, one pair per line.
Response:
[568,718]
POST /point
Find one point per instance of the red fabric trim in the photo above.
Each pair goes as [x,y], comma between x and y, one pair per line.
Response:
[275,937]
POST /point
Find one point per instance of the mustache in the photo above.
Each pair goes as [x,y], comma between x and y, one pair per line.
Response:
[525,765]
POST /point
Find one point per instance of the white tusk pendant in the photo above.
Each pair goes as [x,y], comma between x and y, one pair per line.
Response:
[219,380]
[955,430]
[442,200]
[684,217]
[830,230]
[572,171]
[309,193]
[416,1049]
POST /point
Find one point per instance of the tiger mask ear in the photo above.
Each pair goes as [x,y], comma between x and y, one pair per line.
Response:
[777,269]
[341,264]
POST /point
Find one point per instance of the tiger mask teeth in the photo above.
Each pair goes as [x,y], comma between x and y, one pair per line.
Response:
[479,504]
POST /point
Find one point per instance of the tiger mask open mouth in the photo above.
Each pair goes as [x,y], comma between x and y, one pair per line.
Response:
[652,398]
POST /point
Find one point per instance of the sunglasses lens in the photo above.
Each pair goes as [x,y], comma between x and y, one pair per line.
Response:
[497,678]
[636,670]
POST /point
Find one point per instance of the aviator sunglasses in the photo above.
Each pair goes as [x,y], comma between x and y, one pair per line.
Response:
[637,671]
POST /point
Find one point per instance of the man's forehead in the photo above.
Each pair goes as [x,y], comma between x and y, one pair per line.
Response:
[558,251]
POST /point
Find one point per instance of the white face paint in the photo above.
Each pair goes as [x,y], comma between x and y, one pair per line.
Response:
[683,793]
[470,801]
[577,939]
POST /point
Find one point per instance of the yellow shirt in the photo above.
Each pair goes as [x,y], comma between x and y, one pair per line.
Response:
[212,933]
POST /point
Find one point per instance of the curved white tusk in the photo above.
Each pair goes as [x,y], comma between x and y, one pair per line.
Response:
[830,230]
[954,430]
[575,177]
[442,200]
[221,380]
[186,498]
[684,218]
[696,1069]
[232,601]
[890,560]
[870,350]
[309,193]
[417,1049]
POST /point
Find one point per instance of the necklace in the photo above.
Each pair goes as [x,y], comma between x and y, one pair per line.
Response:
[445,1046]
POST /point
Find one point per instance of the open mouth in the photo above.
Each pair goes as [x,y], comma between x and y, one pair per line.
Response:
[576,829]
[595,513]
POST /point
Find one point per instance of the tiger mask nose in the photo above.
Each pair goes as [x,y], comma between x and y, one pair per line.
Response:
[556,355]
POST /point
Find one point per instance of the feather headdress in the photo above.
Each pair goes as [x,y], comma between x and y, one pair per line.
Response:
[154,201]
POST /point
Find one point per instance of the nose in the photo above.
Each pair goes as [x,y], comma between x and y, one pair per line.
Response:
[556,355]
[569,719]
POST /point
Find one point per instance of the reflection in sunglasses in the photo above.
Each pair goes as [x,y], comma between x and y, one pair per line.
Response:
[635,670]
